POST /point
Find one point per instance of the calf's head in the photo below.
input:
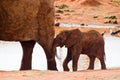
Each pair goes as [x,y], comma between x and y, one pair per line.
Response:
[67,38]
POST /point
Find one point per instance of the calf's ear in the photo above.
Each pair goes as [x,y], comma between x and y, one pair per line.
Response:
[73,38]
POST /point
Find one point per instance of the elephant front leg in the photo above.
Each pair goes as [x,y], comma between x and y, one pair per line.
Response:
[66,61]
[27,47]
[50,55]
[75,62]
[51,64]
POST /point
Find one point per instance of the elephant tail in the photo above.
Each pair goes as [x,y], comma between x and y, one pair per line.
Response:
[103,33]
[113,33]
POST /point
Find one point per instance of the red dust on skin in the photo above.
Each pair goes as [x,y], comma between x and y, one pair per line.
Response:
[82,14]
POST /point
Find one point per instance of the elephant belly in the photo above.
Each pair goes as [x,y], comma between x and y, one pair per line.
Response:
[90,49]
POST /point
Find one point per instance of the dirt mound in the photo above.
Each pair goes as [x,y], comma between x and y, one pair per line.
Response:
[81,2]
[89,2]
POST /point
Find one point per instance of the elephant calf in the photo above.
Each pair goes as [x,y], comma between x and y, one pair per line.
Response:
[90,43]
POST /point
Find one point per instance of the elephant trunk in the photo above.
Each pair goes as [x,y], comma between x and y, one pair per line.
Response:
[54,47]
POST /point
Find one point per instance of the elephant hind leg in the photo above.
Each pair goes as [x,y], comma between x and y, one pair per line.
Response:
[103,65]
[92,60]
[27,47]
[75,62]
[66,61]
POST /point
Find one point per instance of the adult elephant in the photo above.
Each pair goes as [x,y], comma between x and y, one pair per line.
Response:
[90,43]
[29,21]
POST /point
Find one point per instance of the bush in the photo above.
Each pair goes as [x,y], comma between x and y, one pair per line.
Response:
[111,17]
[111,22]
[116,1]
[63,6]
[95,16]
[59,11]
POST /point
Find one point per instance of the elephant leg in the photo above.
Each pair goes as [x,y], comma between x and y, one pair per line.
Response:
[51,63]
[75,61]
[92,60]
[103,65]
[66,61]
[27,47]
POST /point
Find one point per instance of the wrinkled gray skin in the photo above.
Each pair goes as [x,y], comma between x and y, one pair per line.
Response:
[29,21]
[90,43]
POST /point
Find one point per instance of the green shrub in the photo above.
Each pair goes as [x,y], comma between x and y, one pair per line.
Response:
[111,22]
[111,17]
[67,10]
[59,11]
[116,1]
[63,6]
[95,16]
[114,22]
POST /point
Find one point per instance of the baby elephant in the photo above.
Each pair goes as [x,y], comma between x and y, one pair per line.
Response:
[90,43]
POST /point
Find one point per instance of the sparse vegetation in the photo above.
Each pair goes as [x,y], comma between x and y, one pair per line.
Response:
[111,17]
[116,1]
[95,16]
[111,20]
[59,11]
[63,6]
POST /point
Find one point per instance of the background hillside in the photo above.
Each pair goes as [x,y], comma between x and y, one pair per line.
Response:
[88,11]
[100,12]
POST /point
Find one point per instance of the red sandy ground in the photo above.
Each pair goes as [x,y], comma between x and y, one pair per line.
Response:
[53,75]
[84,12]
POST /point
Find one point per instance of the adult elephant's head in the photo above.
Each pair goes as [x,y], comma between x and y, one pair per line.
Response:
[67,38]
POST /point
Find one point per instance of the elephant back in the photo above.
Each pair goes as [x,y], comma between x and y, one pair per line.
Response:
[22,19]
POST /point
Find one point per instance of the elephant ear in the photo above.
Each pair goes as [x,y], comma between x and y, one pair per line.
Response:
[73,38]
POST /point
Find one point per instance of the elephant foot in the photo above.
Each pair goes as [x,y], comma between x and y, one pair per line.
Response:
[52,68]
[25,68]
[74,69]
[66,68]
[90,69]
[103,65]
[52,65]
[104,68]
